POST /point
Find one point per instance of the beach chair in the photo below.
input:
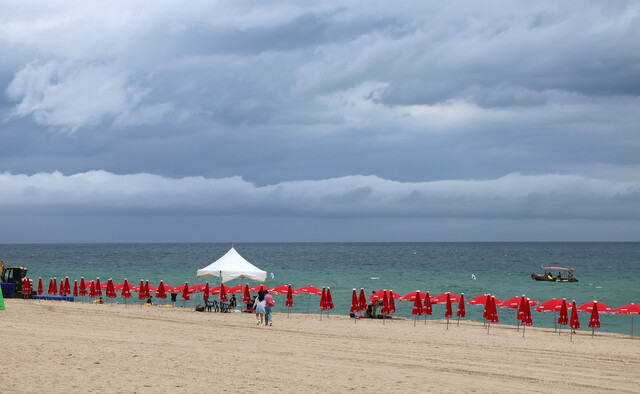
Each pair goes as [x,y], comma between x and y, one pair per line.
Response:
[211,305]
[224,307]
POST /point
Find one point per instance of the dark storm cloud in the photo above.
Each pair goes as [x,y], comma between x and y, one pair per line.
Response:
[271,95]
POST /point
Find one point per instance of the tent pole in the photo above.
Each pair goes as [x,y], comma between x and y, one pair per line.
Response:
[196,290]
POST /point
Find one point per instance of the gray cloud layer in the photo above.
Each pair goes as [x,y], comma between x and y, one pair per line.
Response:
[465,110]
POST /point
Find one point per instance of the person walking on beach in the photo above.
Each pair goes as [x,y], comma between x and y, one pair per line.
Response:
[269,303]
[174,297]
[258,306]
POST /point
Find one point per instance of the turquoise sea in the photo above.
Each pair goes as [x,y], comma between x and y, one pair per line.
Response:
[607,272]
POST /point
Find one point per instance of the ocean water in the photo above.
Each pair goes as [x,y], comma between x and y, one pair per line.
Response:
[607,272]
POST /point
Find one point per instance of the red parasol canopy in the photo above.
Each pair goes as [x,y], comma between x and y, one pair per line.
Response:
[258,288]
[448,313]
[602,308]
[480,300]
[235,289]
[521,311]
[392,303]
[205,292]
[83,287]
[428,309]
[92,288]
[75,288]
[62,289]
[380,295]
[631,309]
[362,299]
[575,320]
[514,303]
[461,311]
[552,305]
[309,290]
[563,319]
[289,301]
[442,298]
[40,289]
[147,290]
[126,289]
[412,296]
[185,292]
[54,291]
[162,291]
[280,289]
[247,295]
[417,303]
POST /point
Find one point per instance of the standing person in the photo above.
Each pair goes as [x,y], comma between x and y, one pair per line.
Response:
[258,306]
[269,303]
[174,297]
[374,304]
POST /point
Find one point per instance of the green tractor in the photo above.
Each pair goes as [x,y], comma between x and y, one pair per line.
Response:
[14,275]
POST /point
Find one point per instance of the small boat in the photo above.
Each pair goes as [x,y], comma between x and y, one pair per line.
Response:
[564,275]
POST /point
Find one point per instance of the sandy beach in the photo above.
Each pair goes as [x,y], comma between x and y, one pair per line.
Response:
[52,346]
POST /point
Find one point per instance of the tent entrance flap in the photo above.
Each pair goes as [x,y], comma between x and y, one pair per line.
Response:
[232,266]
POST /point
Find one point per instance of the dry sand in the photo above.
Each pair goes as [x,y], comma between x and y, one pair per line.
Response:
[54,346]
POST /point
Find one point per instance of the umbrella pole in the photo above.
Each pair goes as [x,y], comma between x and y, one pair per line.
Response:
[517,325]
[593,331]
[309,304]
[447,323]
[384,317]
[458,321]
[488,327]
[631,326]
[320,314]
[524,328]
[571,336]
[555,322]
[414,322]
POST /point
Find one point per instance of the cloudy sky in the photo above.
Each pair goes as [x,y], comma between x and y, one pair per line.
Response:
[341,120]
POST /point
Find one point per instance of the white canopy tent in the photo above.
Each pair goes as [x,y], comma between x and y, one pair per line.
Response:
[232,266]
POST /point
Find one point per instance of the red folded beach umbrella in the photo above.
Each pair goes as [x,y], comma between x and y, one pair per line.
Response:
[26,286]
[141,291]
[223,293]
[392,304]
[526,318]
[40,289]
[323,301]
[492,313]
[67,286]
[126,290]
[448,312]
[162,291]
[98,287]
[594,322]
[75,288]
[385,303]
[631,309]
[55,286]
[83,288]
[289,302]
[62,289]
[329,299]
[247,295]
[563,319]
[147,292]
[111,291]
[50,288]
[574,323]
[362,299]
[428,309]
[462,313]
[185,292]
[205,292]
[355,305]
[92,288]
[417,304]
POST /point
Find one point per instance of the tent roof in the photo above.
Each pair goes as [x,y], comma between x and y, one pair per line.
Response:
[232,266]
